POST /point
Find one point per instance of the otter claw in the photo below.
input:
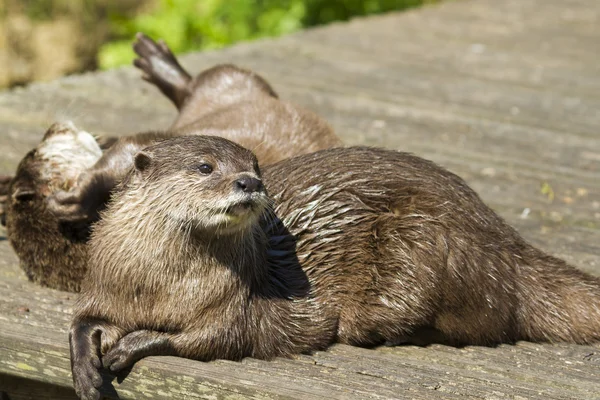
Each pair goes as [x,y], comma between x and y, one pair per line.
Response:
[121,355]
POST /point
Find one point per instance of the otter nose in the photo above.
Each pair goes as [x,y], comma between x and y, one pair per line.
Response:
[248,184]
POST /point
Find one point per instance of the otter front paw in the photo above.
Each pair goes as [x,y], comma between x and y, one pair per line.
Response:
[118,358]
[68,206]
[87,378]
[136,345]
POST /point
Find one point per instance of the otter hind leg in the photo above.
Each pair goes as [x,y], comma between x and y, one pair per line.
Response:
[161,68]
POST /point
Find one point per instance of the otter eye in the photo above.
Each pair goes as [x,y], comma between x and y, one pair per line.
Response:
[205,168]
[23,194]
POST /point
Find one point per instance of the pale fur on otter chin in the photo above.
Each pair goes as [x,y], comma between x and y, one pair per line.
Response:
[67,154]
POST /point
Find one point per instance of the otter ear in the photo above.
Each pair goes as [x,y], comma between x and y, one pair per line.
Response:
[5,181]
[142,161]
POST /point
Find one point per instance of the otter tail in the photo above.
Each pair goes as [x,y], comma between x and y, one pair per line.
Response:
[558,303]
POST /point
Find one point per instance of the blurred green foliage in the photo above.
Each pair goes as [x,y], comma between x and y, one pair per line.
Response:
[207,24]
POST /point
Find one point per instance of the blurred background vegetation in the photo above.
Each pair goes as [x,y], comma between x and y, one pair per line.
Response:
[43,39]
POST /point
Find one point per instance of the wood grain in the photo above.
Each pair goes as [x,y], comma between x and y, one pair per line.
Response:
[505,94]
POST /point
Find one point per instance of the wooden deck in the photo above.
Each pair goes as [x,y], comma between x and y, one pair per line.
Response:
[504,93]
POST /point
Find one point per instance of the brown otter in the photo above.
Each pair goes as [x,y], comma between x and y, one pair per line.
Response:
[225,101]
[51,253]
[361,246]
[47,222]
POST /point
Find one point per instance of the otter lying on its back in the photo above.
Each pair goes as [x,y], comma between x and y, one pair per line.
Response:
[363,246]
[224,100]
[51,253]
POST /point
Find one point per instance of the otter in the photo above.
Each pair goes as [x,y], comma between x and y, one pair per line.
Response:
[359,245]
[48,222]
[51,253]
[225,101]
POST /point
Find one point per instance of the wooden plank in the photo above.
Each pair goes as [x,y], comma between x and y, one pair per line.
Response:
[506,94]
[565,372]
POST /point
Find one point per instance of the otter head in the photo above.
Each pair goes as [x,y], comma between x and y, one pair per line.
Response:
[55,164]
[43,245]
[204,184]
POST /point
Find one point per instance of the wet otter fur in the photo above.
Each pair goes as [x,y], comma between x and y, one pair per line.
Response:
[225,101]
[361,246]
[48,228]
[51,253]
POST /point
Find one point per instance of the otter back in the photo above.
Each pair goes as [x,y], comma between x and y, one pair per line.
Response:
[364,246]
